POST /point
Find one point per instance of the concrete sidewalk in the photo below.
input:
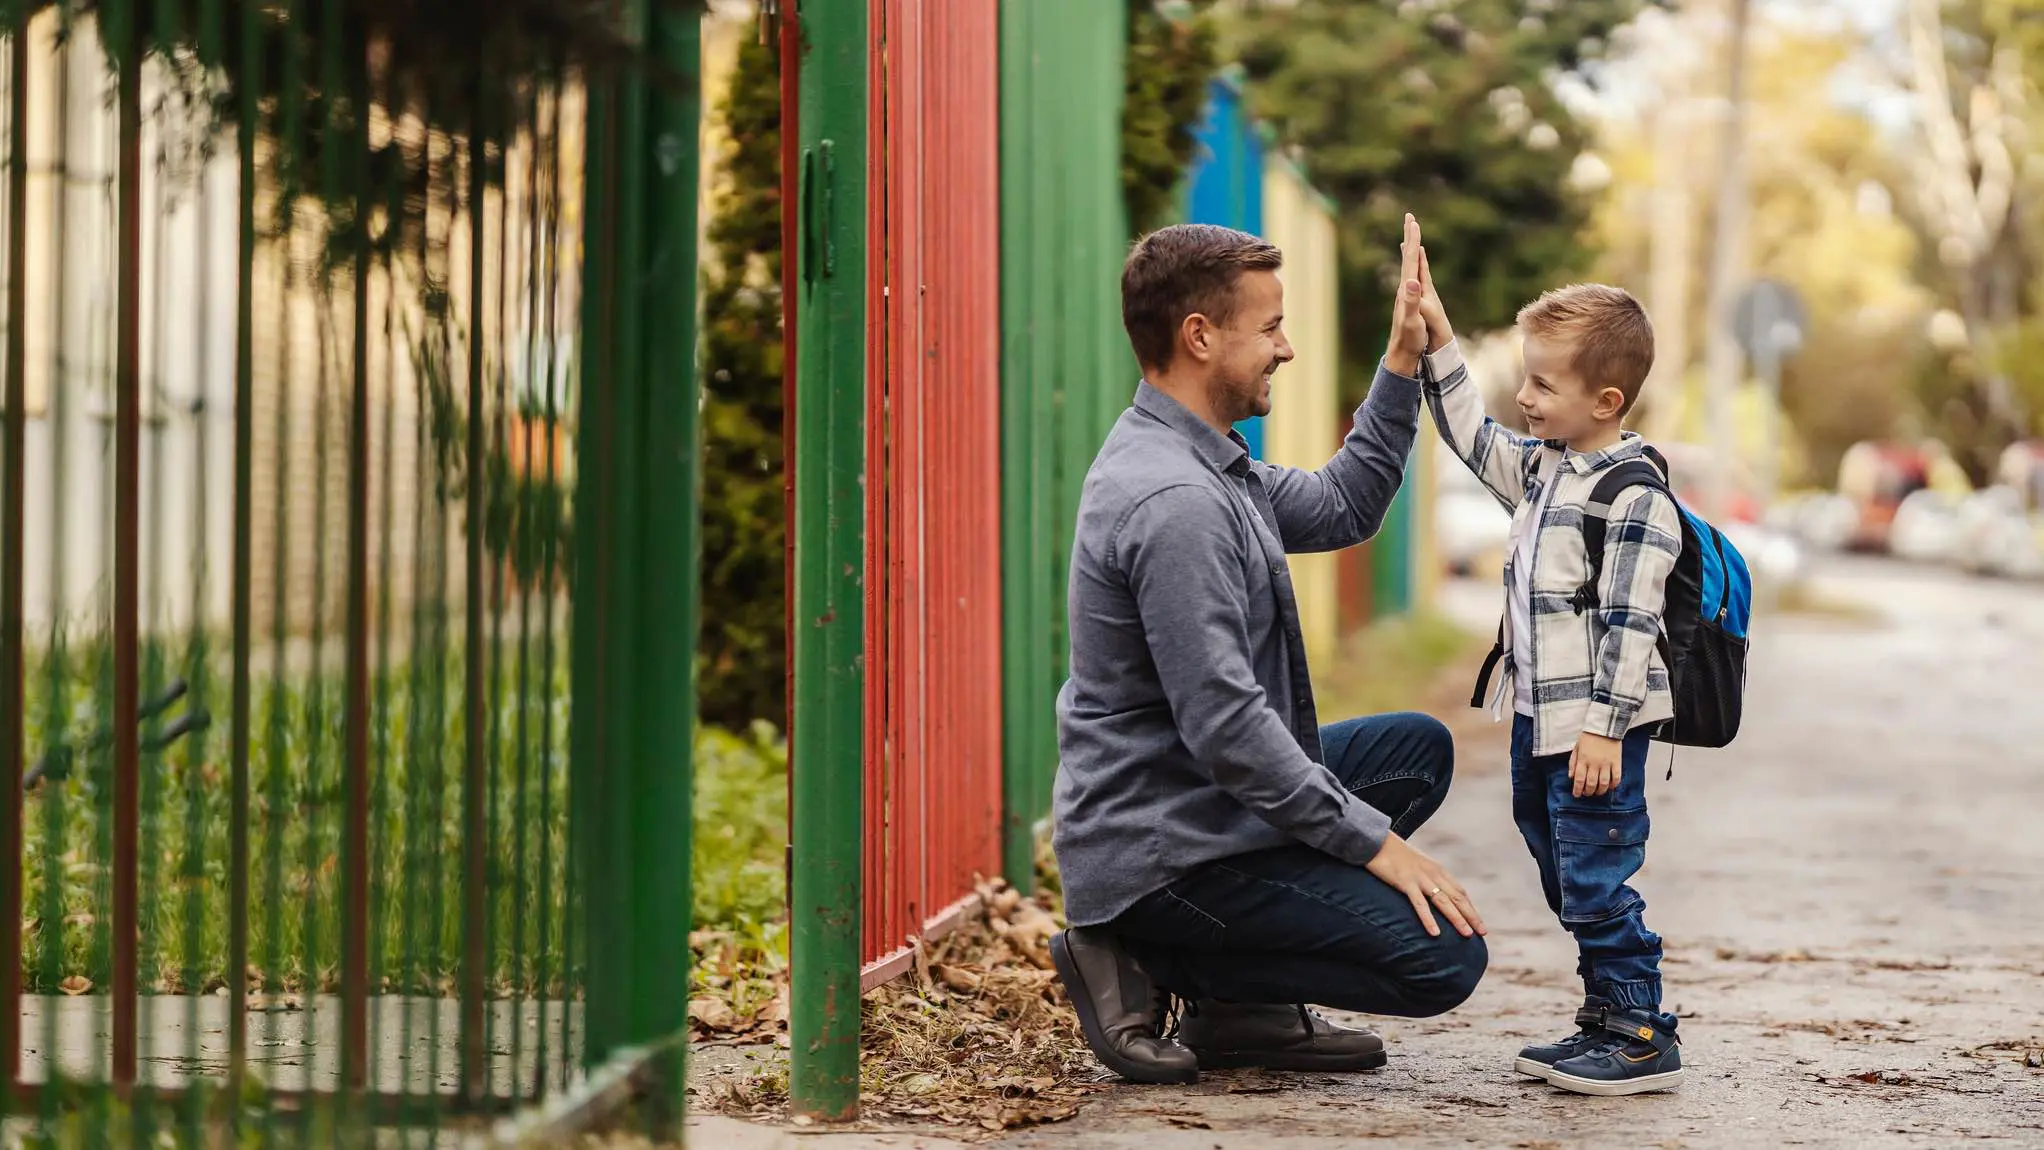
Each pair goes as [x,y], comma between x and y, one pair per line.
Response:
[1849,899]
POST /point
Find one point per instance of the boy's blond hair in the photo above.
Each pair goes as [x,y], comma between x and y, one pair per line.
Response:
[1612,339]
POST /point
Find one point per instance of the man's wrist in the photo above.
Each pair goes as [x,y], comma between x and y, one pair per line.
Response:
[1399,361]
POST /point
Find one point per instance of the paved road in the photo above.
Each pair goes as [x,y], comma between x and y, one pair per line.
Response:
[1852,898]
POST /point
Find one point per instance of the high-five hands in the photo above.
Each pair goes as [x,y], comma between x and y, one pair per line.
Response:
[1419,323]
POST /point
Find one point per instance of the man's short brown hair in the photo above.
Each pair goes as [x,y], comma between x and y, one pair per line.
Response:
[1611,337]
[1183,270]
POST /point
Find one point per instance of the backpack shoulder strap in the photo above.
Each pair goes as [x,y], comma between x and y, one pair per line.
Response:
[1597,517]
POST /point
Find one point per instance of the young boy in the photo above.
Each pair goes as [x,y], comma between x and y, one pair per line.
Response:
[1584,678]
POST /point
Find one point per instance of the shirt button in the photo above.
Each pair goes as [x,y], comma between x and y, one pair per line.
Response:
[1612,834]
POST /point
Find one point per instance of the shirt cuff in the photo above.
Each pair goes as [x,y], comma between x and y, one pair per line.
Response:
[1392,392]
[1363,832]
[1445,360]
[1609,720]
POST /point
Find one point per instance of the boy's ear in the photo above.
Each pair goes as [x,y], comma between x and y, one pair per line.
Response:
[1610,403]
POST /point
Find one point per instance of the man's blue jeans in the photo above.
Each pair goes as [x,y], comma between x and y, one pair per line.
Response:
[1294,924]
[1587,848]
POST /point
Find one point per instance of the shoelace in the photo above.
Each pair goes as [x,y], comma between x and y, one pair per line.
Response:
[1171,1011]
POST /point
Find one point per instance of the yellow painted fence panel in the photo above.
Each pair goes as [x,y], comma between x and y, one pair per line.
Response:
[1306,422]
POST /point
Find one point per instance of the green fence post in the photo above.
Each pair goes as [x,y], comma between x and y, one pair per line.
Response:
[637,542]
[829,640]
[670,578]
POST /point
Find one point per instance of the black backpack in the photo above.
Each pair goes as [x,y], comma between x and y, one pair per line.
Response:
[1709,603]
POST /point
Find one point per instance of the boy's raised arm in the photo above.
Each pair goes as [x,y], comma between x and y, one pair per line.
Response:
[1500,459]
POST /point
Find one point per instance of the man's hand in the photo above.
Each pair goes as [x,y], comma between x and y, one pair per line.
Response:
[1595,765]
[1408,326]
[1428,885]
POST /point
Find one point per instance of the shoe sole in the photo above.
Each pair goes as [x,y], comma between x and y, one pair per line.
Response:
[1616,1088]
[1089,1025]
[1533,1068]
[1322,1063]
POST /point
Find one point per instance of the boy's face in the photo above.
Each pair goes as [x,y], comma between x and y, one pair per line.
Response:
[1557,403]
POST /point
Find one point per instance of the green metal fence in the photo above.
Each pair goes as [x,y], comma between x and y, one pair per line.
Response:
[348,485]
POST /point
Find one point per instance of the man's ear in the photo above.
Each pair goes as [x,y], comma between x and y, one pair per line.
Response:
[1196,337]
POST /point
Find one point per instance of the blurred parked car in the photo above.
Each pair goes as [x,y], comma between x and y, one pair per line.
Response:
[2022,471]
[1878,478]
[1997,536]
[1926,528]
[1822,520]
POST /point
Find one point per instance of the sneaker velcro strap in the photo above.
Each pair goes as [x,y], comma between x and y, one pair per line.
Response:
[1590,1019]
[1639,1031]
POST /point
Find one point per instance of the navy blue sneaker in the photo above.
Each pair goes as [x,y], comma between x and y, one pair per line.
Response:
[1636,1055]
[1538,1060]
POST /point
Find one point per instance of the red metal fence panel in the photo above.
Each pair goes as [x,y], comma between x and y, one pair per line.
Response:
[933,625]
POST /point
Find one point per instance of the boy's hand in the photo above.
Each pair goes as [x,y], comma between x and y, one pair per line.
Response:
[1428,885]
[1440,333]
[1595,765]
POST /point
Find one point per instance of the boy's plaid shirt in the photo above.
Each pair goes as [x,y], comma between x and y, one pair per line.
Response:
[1598,671]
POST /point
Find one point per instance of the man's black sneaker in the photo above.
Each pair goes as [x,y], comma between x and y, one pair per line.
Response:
[1236,1036]
[1536,1061]
[1637,1055]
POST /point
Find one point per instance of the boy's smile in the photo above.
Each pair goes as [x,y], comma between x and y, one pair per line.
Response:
[1559,405]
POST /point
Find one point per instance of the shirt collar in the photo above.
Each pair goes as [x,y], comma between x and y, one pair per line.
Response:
[1227,453]
[1630,445]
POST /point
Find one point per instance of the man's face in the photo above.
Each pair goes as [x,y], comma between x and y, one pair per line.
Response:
[1250,348]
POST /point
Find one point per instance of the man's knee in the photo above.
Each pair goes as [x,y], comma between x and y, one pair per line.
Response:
[1454,967]
[1435,746]
[1430,745]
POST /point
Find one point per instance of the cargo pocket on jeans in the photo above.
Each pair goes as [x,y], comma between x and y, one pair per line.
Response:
[1596,852]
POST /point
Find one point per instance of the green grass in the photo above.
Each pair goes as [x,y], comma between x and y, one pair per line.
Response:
[297,807]
[741,913]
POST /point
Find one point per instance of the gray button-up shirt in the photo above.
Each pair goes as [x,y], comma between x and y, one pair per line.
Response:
[1187,731]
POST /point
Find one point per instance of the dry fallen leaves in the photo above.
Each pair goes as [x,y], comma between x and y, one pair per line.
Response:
[978,1038]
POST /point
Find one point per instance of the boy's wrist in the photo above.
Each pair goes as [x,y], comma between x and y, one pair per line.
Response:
[1608,720]
[1444,360]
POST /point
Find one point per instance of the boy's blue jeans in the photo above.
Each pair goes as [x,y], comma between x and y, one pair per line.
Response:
[1586,849]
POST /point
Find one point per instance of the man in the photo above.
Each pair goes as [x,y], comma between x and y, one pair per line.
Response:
[1215,842]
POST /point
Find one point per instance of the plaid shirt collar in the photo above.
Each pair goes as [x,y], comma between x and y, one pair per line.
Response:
[1630,445]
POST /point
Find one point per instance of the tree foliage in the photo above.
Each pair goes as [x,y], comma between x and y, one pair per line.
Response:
[1445,109]
[1171,56]
[1975,197]
[1818,221]
[742,650]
